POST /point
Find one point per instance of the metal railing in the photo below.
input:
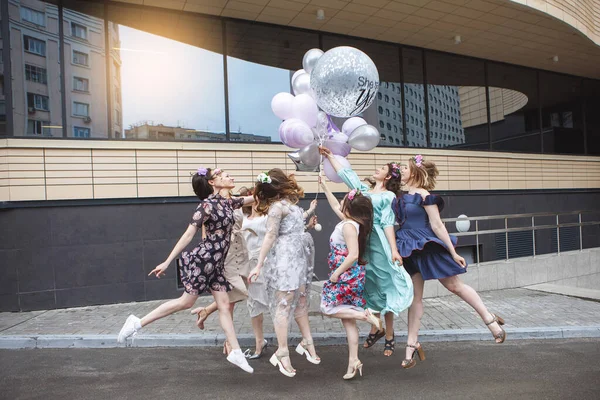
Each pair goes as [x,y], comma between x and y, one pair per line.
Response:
[532,227]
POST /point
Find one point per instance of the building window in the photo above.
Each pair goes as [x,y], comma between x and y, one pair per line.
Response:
[80,132]
[78,31]
[391,139]
[37,127]
[81,84]
[80,58]
[33,16]
[381,124]
[81,109]
[35,46]
[36,74]
[37,102]
[380,109]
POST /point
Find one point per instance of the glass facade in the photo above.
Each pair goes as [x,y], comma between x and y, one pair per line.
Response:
[108,70]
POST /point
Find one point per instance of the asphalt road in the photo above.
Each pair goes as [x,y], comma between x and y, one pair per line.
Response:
[544,369]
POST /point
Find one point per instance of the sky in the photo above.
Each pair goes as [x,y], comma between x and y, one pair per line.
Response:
[175,84]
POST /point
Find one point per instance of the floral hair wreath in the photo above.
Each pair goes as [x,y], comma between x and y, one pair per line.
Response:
[204,171]
[418,160]
[263,177]
[395,170]
[353,193]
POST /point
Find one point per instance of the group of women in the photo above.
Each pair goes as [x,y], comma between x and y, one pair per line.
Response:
[256,247]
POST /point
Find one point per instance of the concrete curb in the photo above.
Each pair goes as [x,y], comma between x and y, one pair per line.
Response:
[322,339]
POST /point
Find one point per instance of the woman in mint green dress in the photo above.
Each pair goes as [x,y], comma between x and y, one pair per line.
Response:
[388,287]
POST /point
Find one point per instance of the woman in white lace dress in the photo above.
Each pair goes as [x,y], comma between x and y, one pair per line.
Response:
[286,263]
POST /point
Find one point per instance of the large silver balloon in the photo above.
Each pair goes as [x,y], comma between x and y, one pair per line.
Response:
[310,59]
[345,81]
[301,84]
[309,155]
[300,166]
[364,138]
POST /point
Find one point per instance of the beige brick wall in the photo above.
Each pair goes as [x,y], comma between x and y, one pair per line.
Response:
[75,169]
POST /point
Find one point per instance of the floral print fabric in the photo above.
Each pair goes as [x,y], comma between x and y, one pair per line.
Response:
[202,268]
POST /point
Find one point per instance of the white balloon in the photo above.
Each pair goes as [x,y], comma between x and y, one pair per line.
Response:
[299,72]
[301,84]
[310,59]
[345,81]
[305,108]
[282,105]
[318,227]
[351,124]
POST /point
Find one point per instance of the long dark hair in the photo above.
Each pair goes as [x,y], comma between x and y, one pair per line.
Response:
[281,187]
[393,184]
[360,210]
[200,183]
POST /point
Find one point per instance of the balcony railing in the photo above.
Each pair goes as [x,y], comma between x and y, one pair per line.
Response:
[529,223]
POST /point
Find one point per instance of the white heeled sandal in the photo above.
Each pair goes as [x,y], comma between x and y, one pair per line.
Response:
[300,349]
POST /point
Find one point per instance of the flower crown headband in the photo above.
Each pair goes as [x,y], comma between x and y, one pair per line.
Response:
[353,193]
[418,159]
[263,177]
[204,171]
[395,170]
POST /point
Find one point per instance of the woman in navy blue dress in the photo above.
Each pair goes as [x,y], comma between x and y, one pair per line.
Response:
[428,252]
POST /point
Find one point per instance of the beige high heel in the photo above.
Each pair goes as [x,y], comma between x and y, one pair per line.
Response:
[373,320]
[411,362]
[302,350]
[276,362]
[356,368]
[502,334]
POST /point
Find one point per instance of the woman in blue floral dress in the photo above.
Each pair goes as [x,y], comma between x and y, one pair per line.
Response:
[342,295]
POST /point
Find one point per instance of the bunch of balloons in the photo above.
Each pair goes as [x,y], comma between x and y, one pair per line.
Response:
[341,82]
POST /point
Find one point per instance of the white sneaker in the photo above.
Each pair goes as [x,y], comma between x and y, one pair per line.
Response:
[236,357]
[129,328]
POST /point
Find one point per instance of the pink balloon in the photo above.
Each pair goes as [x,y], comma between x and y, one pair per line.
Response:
[330,172]
[282,105]
[295,133]
[305,108]
[351,124]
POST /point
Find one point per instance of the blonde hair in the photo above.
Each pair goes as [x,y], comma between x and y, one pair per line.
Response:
[423,176]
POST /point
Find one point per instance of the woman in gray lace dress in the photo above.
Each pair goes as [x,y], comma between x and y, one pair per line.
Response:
[286,262]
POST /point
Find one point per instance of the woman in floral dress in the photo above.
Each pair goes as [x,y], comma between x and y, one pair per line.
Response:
[202,268]
[342,295]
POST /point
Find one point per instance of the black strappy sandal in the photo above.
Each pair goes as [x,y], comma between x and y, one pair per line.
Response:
[389,345]
[374,338]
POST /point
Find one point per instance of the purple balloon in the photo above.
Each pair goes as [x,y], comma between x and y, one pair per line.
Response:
[331,127]
[338,148]
[330,172]
[295,133]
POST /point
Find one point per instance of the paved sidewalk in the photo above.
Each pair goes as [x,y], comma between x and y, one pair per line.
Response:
[528,314]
